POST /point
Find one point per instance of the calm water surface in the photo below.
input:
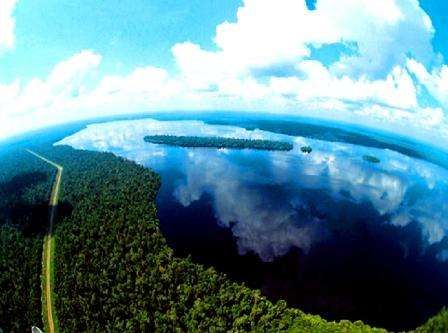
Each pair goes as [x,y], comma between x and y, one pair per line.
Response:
[329,232]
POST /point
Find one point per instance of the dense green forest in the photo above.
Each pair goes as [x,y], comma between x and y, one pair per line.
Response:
[218,142]
[25,184]
[114,270]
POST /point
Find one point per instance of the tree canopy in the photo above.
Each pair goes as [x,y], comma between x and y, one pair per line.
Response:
[113,268]
[218,142]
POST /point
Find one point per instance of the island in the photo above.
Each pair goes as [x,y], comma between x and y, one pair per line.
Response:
[306,149]
[371,159]
[109,204]
[218,142]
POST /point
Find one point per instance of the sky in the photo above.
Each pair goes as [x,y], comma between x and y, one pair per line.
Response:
[382,64]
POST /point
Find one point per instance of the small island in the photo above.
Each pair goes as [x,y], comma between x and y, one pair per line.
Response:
[371,159]
[306,149]
[218,142]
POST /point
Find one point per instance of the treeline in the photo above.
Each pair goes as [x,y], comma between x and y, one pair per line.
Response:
[218,142]
[115,272]
[25,185]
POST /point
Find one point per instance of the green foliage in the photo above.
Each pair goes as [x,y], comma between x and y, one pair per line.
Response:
[437,324]
[218,142]
[115,272]
[20,267]
[25,184]
[306,149]
[371,159]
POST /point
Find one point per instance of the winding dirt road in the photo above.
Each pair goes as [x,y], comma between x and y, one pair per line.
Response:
[47,256]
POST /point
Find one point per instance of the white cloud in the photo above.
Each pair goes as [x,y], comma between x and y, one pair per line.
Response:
[264,62]
[7,24]
[146,82]
[400,189]
[396,90]
[386,33]
[43,102]
[71,73]
[374,82]
[436,82]
[269,32]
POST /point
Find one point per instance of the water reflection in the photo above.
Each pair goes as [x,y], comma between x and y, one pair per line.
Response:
[264,216]
[262,196]
[329,232]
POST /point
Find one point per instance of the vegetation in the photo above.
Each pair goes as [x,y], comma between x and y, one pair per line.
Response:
[218,142]
[25,184]
[115,272]
[48,310]
[306,149]
[20,267]
[437,324]
[45,315]
[371,159]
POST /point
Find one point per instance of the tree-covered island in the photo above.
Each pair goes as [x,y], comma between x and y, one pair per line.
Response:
[218,142]
[306,149]
[371,159]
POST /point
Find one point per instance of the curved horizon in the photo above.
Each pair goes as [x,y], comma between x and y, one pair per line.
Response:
[378,64]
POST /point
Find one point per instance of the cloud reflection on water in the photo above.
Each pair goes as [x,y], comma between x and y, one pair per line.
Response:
[264,197]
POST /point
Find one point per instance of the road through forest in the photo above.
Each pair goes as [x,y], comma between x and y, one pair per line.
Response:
[47,257]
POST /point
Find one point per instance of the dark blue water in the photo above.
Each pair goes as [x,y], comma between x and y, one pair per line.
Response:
[324,254]
[328,232]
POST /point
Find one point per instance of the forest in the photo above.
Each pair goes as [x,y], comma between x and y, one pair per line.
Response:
[113,268]
[25,185]
[218,142]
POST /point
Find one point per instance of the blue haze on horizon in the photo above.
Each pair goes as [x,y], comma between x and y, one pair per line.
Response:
[69,60]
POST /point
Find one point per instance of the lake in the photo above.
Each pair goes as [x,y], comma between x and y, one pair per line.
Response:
[329,232]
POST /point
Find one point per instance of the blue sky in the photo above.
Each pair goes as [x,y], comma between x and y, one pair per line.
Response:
[133,33]
[126,33]
[438,11]
[381,63]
